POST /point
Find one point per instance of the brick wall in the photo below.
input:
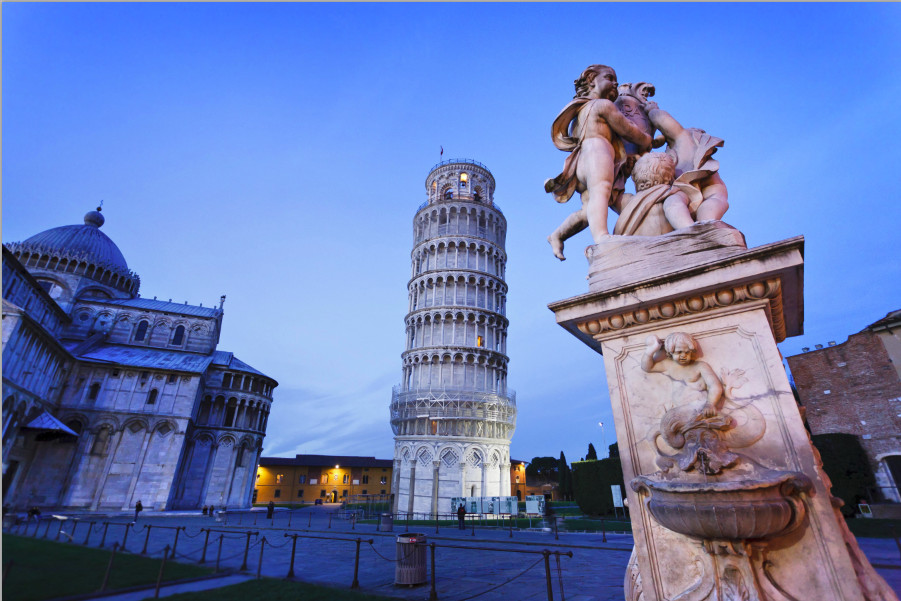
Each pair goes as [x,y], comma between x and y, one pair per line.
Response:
[853,388]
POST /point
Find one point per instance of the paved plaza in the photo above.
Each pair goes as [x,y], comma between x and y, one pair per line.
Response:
[503,567]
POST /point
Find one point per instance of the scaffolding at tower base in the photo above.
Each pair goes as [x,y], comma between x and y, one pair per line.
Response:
[453,412]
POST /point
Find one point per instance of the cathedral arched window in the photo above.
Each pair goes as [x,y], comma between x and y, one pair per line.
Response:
[141,332]
[179,336]
[449,195]
[151,398]
[94,391]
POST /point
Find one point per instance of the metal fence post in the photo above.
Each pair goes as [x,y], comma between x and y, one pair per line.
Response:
[356,583]
[206,540]
[105,528]
[293,554]
[547,574]
[159,578]
[604,530]
[246,551]
[90,529]
[260,565]
[219,553]
[177,530]
[329,520]
[109,567]
[146,540]
[125,536]
[433,594]
[310,523]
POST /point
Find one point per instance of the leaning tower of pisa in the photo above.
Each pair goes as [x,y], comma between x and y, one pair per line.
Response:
[453,415]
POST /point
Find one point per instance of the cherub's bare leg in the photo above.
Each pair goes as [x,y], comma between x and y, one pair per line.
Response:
[716,197]
[596,209]
[676,210]
[571,226]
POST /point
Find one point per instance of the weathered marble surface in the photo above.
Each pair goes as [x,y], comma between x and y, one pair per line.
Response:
[621,260]
[728,497]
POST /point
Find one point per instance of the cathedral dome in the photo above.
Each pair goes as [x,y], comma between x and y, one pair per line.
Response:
[86,240]
[80,249]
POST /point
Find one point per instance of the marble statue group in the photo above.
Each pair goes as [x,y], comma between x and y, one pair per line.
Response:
[608,129]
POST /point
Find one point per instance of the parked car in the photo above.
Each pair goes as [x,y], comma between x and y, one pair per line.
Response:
[318,502]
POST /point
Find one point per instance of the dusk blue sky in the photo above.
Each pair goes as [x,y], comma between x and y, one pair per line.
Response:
[277,153]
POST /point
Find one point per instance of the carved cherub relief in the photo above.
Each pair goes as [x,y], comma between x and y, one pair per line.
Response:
[697,425]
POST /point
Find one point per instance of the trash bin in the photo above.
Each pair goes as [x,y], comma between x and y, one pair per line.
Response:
[410,568]
[386,522]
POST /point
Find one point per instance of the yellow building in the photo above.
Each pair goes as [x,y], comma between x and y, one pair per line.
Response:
[331,478]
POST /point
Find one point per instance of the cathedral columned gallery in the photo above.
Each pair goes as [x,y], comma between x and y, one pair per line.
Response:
[110,398]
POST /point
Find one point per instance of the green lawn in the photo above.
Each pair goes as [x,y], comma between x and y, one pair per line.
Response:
[45,570]
[278,590]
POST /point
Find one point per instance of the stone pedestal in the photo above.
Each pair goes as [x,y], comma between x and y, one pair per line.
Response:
[727,495]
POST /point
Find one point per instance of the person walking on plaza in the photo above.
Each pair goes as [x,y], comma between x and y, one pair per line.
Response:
[138,509]
[461,516]
[270,509]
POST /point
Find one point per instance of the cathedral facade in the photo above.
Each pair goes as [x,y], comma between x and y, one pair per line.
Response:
[110,398]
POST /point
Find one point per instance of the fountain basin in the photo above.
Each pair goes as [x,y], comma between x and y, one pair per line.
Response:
[758,508]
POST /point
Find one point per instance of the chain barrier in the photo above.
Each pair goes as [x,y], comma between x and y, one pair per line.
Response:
[274,546]
[406,555]
[508,581]
[201,531]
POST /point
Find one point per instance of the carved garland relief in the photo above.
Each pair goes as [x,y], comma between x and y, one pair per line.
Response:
[770,289]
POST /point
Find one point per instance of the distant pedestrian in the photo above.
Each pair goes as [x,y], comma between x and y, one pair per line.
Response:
[270,509]
[138,509]
[34,514]
[461,516]
[205,510]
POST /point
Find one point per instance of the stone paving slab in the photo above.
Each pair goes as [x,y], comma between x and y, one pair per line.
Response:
[594,573]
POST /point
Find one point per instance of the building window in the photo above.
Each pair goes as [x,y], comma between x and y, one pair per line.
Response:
[144,375]
[101,441]
[365,481]
[365,492]
[115,373]
[313,481]
[172,378]
[94,391]
[383,491]
[279,478]
[384,480]
[151,398]
[344,481]
[227,381]
[302,480]
[277,493]
[344,493]
[479,341]
[179,336]
[300,493]
[141,331]
[464,177]
[322,493]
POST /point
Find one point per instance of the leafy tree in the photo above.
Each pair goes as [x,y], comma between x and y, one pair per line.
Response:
[613,450]
[592,454]
[543,470]
[591,484]
[566,479]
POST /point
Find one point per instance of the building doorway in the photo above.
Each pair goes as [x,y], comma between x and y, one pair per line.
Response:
[333,497]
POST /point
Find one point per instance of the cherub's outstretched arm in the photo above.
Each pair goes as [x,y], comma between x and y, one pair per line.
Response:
[668,126]
[653,345]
